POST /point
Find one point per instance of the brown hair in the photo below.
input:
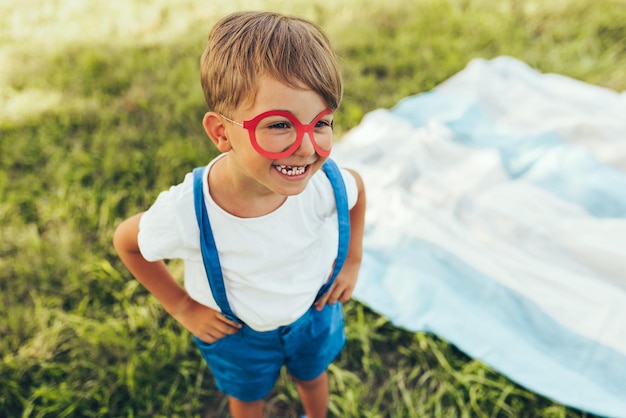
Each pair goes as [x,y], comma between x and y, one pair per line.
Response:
[245,45]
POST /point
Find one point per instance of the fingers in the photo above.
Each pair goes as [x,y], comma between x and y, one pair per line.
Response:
[319,305]
[335,294]
[214,334]
[217,326]
[230,323]
[223,326]
[342,296]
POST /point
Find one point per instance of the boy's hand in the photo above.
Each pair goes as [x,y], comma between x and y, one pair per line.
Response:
[205,323]
[342,288]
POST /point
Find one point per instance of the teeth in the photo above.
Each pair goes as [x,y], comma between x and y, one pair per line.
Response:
[290,171]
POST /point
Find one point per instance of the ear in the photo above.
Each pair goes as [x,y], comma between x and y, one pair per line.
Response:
[216,130]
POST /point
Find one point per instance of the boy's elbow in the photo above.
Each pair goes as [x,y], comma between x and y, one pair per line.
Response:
[360,185]
[118,239]
[125,235]
[361,190]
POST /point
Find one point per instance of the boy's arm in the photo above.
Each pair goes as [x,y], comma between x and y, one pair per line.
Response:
[204,322]
[345,281]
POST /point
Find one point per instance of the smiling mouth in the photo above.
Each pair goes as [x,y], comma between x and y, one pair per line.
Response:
[291,170]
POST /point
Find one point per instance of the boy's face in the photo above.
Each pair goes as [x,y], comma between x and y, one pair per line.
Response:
[283,175]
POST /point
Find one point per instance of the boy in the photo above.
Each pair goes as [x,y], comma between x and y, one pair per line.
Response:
[262,271]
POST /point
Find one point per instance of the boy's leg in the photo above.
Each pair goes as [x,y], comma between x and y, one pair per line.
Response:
[241,409]
[314,396]
[311,348]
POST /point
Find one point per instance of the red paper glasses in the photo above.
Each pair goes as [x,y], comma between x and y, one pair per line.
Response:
[278,134]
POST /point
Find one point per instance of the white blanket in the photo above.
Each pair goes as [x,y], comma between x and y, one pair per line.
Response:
[497,220]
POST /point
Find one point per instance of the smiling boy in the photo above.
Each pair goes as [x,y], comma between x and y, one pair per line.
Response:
[269,247]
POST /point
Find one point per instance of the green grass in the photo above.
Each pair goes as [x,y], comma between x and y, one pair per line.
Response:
[100,109]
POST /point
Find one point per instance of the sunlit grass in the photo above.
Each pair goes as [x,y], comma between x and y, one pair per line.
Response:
[100,109]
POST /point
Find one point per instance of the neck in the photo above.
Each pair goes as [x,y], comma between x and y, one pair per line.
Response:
[239,196]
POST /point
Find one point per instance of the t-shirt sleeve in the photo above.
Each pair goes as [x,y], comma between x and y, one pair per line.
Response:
[166,228]
[351,188]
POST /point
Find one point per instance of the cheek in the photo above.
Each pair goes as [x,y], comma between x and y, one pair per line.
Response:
[318,164]
[240,144]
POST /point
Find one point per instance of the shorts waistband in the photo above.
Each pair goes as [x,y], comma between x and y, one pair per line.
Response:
[280,331]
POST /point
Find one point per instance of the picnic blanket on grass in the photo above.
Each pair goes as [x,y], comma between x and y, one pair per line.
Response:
[497,221]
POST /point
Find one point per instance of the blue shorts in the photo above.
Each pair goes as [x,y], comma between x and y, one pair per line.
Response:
[246,365]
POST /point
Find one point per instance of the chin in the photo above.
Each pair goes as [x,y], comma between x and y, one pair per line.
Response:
[293,190]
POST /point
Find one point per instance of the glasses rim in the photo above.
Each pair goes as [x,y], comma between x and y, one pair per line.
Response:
[301,129]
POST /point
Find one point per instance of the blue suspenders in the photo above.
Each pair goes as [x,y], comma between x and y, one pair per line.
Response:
[209,249]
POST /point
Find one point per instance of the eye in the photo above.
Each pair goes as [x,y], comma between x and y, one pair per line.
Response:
[279,125]
[321,124]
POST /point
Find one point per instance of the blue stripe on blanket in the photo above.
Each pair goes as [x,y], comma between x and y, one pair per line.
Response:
[424,287]
[542,157]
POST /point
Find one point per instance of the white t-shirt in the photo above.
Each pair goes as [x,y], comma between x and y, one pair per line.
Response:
[273,265]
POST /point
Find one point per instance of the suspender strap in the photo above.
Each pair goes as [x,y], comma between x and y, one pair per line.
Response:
[209,249]
[343,216]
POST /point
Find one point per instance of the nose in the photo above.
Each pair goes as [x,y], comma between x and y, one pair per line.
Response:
[306,147]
